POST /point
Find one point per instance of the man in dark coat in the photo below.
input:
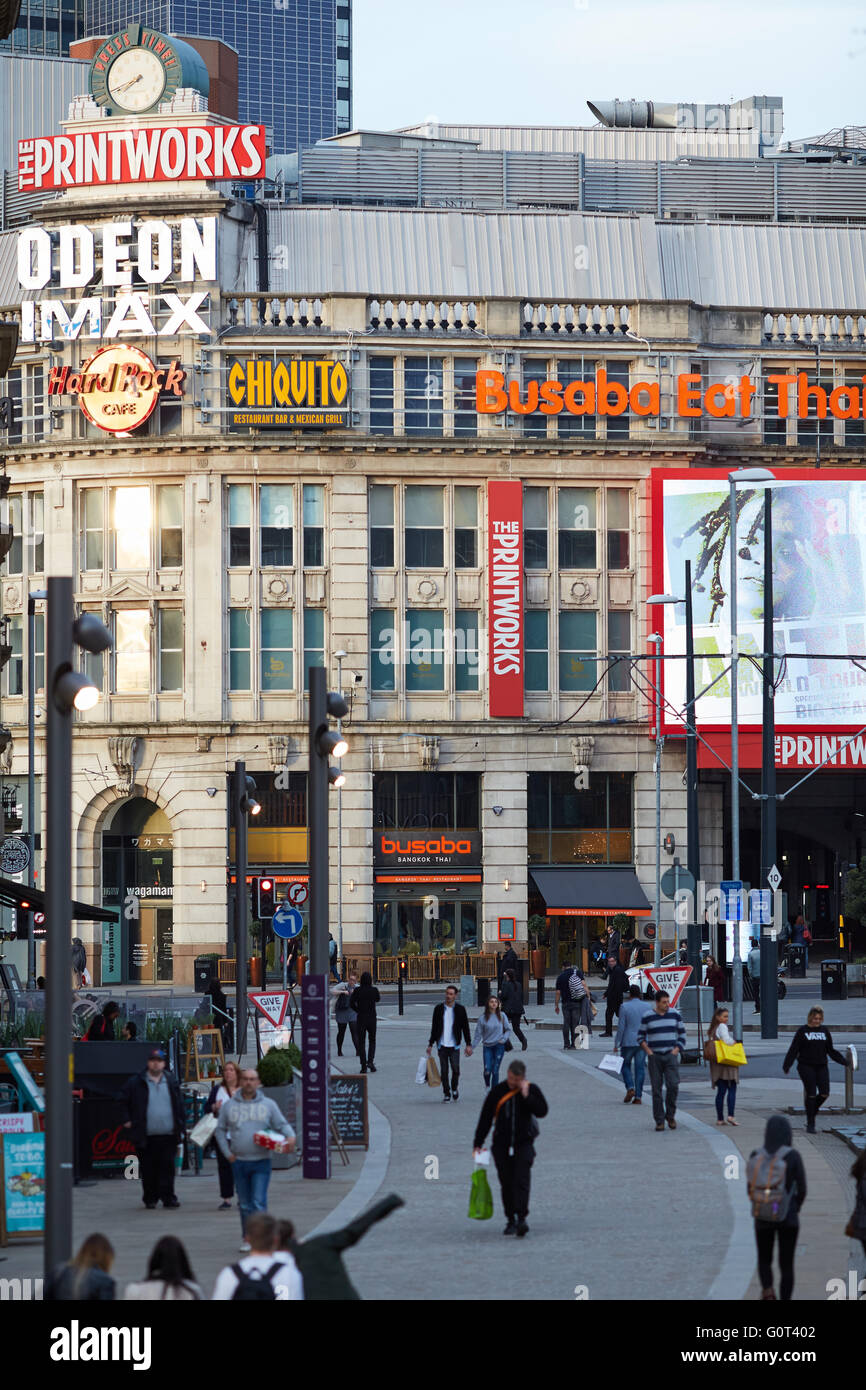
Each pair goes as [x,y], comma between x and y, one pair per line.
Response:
[156,1119]
[509,961]
[320,1260]
[513,1108]
[102,1027]
[617,989]
[450,1024]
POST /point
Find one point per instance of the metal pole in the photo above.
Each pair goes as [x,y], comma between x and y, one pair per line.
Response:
[318,799]
[693,844]
[736,964]
[657,946]
[769,942]
[31,775]
[340,834]
[239,789]
[59,1129]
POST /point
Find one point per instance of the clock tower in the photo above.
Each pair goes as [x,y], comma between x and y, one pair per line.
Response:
[138,68]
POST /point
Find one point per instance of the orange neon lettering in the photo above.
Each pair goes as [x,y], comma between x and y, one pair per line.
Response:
[784,382]
[586,404]
[651,390]
[550,393]
[687,395]
[514,401]
[490,398]
[605,389]
[850,408]
[719,403]
[804,391]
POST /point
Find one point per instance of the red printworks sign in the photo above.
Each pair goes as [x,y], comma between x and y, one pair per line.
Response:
[505,648]
[154,154]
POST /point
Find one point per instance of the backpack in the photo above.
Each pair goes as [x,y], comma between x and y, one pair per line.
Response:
[766,1178]
[253,1286]
[576,987]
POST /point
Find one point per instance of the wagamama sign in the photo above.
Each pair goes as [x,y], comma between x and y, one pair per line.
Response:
[75,257]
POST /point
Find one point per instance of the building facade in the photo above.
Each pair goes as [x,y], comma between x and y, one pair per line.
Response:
[295,61]
[46,28]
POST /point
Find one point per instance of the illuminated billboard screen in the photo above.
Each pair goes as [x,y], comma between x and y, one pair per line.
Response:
[819,595]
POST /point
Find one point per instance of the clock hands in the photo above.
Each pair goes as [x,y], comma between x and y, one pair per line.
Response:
[127,85]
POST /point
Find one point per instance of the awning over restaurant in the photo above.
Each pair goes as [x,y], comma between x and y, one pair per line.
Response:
[591,892]
[14,894]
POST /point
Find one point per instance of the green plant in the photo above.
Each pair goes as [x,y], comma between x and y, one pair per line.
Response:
[11,1035]
[621,922]
[854,903]
[278,1065]
[34,1025]
[537,925]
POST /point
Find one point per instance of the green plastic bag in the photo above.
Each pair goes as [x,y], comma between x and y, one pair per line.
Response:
[480,1197]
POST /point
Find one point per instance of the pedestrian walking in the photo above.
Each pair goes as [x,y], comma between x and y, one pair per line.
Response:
[333,959]
[613,943]
[260,1276]
[285,1251]
[510,960]
[320,1259]
[662,1035]
[513,1109]
[450,1023]
[856,1227]
[776,1182]
[571,991]
[364,1000]
[169,1276]
[617,989]
[87,1277]
[811,1047]
[244,1115]
[493,1031]
[716,979]
[221,1091]
[801,935]
[626,1043]
[130,1032]
[344,1015]
[157,1122]
[723,1078]
[753,965]
[102,1027]
[511,998]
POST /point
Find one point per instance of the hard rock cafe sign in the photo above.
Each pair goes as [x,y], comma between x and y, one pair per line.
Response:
[118,388]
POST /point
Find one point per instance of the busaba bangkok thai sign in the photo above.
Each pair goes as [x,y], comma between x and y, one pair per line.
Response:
[721,400]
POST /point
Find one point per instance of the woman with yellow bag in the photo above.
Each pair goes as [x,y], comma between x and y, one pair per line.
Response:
[723,1075]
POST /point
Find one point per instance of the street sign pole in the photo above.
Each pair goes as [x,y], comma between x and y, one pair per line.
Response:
[768,939]
[736,964]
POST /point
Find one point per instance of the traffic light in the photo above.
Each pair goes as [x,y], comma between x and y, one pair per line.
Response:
[266,899]
[22,914]
[7,535]
[8,413]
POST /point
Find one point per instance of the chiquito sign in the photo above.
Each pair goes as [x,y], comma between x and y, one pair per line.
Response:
[72,258]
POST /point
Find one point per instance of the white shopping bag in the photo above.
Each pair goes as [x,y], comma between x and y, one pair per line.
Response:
[421,1073]
[610,1062]
[581,1037]
[482,1159]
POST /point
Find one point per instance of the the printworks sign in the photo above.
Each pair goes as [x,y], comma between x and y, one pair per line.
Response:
[118,388]
[153,155]
[287,393]
[440,849]
[505,654]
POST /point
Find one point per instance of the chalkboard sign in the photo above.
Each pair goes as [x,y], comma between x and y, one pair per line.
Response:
[348,1097]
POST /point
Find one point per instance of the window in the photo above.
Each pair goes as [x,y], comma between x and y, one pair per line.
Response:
[276,645]
[618,425]
[567,825]
[465,413]
[425,649]
[13,672]
[569,426]
[240,521]
[381,526]
[314,525]
[171,648]
[465,528]
[619,644]
[775,429]
[577,648]
[171,527]
[534,425]
[381,395]
[14,509]
[132,650]
[383,650]
[465,650]
[425,521]
[240,668]
[810,430]
[577,522]
[535,636]
[423,395]
[855,430]
[276,524]
[535,528]
[132,528]
[314,641]
[92,529]
[426,800]
[618,528]
[36,535]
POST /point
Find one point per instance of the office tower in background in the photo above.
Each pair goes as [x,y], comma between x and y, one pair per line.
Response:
[46,27]
[295,66]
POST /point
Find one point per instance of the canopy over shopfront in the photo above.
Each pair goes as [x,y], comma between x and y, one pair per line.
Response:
[14,894]
[591,892]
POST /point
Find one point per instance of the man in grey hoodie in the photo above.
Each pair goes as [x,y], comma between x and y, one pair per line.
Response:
[626,1044]
[240,1119]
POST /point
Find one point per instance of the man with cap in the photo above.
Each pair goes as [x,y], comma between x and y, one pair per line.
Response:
[156,1122]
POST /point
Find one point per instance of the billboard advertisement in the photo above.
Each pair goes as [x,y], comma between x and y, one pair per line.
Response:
[819,601]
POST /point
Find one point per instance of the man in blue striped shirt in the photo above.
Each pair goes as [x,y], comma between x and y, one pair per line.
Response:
[662,1035]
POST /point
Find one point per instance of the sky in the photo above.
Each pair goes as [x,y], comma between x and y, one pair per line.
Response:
[537,62]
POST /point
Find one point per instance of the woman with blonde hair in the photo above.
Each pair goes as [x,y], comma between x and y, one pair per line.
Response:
[221,1091]
[723,1078]
[86,1279]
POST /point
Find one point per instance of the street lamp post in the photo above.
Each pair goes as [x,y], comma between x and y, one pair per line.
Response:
[32,599]
[340,657]
[657,945]
[243,804]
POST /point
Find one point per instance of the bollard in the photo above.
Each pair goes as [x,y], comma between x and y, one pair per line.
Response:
[402,968]
[539,991]
[849,1081]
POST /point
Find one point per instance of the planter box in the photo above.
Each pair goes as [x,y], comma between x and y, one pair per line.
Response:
[286,1100]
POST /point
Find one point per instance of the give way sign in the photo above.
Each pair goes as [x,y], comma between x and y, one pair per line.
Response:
[672,980]
[272,1006]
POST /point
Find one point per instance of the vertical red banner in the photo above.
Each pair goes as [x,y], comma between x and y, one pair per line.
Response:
[505,651]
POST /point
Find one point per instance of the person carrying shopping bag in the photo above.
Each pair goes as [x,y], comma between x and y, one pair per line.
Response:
[723,1077]
[493,1031]
[221,1091]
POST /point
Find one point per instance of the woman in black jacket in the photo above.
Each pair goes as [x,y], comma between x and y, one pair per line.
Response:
[511,1000]
[810,1047]
[364,1000]
[778,1136]
[86,1279]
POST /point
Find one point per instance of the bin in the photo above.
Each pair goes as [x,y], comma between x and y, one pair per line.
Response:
[483,991]
[205,970]
[797,960]
[834,979]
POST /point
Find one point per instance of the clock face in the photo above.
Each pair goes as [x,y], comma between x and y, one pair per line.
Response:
[136,80]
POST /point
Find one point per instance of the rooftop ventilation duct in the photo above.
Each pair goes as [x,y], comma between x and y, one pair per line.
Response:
[754,112]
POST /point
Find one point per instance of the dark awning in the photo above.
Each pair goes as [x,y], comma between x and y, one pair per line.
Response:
[591,892]
[13,894]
